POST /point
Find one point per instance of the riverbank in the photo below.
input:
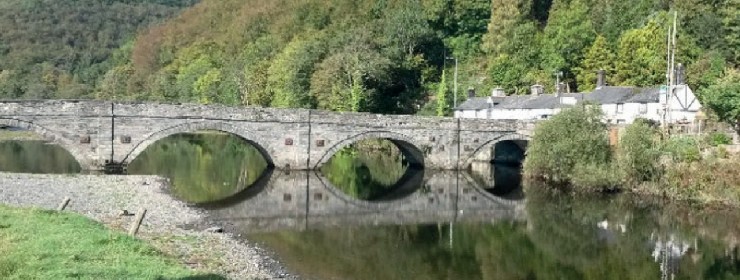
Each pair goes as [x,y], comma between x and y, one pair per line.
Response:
[170,225]
[27,234]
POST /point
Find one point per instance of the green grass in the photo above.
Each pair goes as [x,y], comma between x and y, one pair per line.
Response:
[39,244]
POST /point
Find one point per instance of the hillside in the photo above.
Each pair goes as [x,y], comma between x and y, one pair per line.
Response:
[385,55]
[60,48]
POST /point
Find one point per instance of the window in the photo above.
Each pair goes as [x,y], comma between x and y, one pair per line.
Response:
[620,107]
[643,108]
[620,121]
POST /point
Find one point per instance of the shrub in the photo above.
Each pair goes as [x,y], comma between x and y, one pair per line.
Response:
[682,149]
[574,136]
[596,177]
[638,156]
[718,138]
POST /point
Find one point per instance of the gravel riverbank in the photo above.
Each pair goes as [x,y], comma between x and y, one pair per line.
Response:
[169,225]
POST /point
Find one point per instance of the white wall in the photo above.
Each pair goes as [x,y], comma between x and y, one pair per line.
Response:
[684,106]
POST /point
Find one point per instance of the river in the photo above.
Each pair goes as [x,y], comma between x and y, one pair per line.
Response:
[367,215]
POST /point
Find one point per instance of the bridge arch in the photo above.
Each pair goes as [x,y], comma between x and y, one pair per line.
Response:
[50,136]
[410,151]
[490,143]
[251,138]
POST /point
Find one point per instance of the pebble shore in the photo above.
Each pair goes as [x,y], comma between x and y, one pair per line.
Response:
[169,224]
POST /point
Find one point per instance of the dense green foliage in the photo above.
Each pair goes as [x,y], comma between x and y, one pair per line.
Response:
[62,48]
[36,244]
[724,98]
[381,56]
[639,152]
[570,140]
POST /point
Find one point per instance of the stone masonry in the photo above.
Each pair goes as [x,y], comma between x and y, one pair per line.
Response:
[100,132]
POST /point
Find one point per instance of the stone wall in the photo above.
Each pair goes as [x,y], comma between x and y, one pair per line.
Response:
[97,132]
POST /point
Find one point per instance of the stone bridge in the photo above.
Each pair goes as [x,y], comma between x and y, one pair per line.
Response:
[300,200]
[98,133]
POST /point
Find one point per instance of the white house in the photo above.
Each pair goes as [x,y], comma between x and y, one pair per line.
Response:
[621,105]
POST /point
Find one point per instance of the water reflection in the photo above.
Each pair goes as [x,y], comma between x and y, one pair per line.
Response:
[36,157]
[370,170]
[449,229]
[202,167]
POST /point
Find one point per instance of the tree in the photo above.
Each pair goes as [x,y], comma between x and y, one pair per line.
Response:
[506,15]
[638,154]
[705,71]
[731,24]
[598,57]
[641,56]
[567,34]
[612,18]
[516,68]
[290,74]
[723,98]
[350,73]
[574,137]
[443,106]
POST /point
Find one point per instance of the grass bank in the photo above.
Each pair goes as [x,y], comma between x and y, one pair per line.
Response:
[41,244]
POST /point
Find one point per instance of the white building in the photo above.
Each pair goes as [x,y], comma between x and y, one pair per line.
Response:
[621,105]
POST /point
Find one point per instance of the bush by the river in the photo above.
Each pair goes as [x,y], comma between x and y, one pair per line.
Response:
[575,137]
[572,150]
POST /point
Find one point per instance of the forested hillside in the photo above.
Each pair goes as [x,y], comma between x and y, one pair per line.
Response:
[380,55]
[61,48]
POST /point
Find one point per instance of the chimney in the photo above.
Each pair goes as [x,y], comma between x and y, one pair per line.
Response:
[497,92]
[561,89]
[680,75]
[471,92]
[600,78]
[537,90]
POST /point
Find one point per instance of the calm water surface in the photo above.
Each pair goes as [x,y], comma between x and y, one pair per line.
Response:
[369,216]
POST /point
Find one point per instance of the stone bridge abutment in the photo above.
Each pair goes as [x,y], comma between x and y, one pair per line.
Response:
[97,133]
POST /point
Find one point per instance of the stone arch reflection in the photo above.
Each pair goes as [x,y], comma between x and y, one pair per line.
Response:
[25,150]
[373,167]
[205,166]
[500,179]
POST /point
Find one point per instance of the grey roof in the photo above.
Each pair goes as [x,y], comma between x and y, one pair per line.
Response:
[512,102]
[614,95]
[603,95]
[475,103]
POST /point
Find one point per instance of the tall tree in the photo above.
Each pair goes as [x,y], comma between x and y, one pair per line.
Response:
[568,33]
[517,67]
[506,15]
[641,56]
[611,18]
[731,23]
[724,98]
[598,57]
[443,105]
[290,74]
